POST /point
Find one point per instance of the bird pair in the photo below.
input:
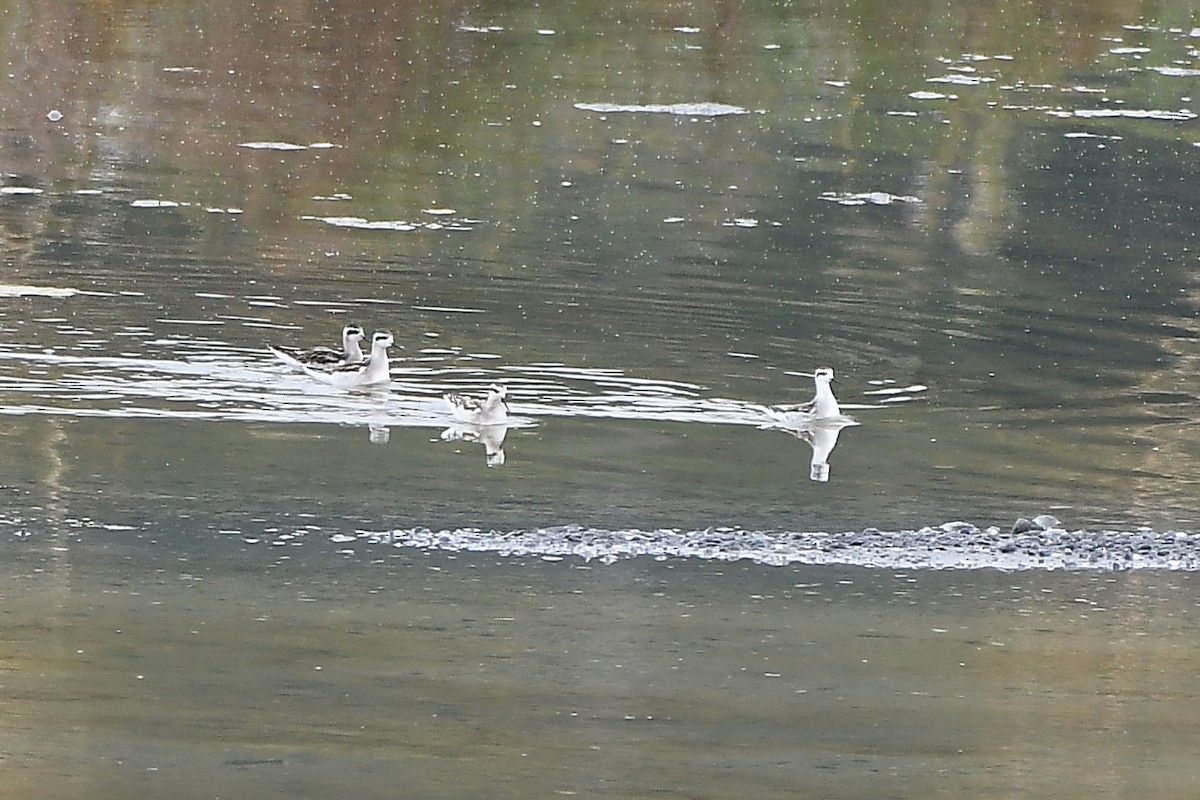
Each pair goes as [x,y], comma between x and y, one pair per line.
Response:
[348,369]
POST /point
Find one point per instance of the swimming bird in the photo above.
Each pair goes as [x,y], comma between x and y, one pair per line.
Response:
[492,410]
[372,370]
[324,357]
[823,406]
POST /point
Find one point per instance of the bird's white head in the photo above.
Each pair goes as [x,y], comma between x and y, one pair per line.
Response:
[353,331]
[498,389]
[382,339]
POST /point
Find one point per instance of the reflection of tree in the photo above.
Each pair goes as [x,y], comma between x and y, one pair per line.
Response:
[1167,445]
[1086,665]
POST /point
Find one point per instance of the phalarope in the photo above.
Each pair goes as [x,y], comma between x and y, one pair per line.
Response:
[374,369]
[492,410]
[324,357]
[823,406]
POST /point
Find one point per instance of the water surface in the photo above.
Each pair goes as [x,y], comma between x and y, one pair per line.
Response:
[646,221]
[241,672]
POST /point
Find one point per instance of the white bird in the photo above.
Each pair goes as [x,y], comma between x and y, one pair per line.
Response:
[492,410]
[823,406]
[324,357]
[372,370]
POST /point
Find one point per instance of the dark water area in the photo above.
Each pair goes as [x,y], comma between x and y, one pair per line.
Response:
[646,221]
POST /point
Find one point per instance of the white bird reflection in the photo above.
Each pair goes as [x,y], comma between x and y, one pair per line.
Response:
[490,436]
[378,432]
[822,436]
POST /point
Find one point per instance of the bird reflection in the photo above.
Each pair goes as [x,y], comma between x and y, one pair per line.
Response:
[490,436]
[379,420]
[378,432]
[822,437]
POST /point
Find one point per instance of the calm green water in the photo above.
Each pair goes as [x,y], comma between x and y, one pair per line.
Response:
[990,212]
[147,668]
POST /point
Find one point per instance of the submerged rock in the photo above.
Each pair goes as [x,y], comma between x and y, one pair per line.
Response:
[1022,525]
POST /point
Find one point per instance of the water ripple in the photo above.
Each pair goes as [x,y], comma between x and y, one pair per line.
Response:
[228,383]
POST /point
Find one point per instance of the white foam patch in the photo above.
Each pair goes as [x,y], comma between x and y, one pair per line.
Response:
[681,109]
[450,309]
[868,198]
[1181,115]
[21,290]
[272,146]
[398,225]
[958,79]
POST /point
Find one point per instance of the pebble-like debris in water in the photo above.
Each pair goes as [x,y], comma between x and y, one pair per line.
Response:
[1039,544]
